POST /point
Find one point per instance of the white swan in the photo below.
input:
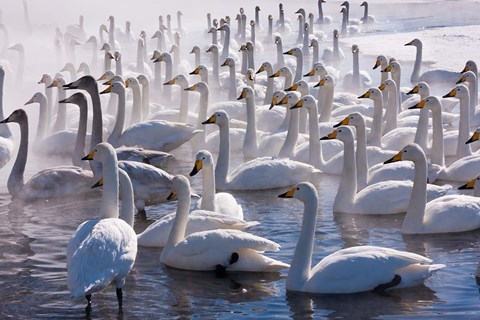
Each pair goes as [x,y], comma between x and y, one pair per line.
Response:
[221,202]
[334,55]
[104,250]
[435,216]
[432,77]
[6,138]
[346,28]
[366,19]
[257,174]
[323,19]
[387,197]
[356,79]
[355,269]
[63,181]
[472,184]
[220,250]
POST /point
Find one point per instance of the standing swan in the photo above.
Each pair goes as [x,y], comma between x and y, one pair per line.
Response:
[103,250]
[356,269]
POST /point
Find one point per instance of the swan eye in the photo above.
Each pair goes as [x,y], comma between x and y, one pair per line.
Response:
[203,158]
[339,130]
[298,188]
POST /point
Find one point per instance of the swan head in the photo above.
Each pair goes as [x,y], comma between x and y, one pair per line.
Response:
[290,98]
[117,56]
[103,28]
[355,48]
[326,81]
[107,76]
[105,47]
[303,191]
[364,3]
[266,66]
[2,71]
[355,119]
[18,116]
[277,96]
[132,83]
[318,69]
[252,23]
[250,76]
[300,11]
[300,86]
[56,83]
[77,98]
[143,80]
[68,67]
[219,118]
[102,152]
[472,184]
[421,88]
[412,152]
[389,85]
[314,43]
[212,30]
[393,67]
[195,49]
[372,93]
[247,93]
[201,87]
[430,103]
[475,136]
[174,48]
[344,11]
[250,46]
[345,4]
[180,80]
[278,40]
[297,52]
[213,48]
[117,87]
[415,42]
[157,34]
[282,72]
[381,60]
[16,47]
[165,56]
[37,97]
[335,33]
[459,92]
[83,67]
[307,101]
[111,19]
[229,62]
[467,76]
[201,69]
[46,78]
[203,157]
[156,55]
[470,66]
[342,133]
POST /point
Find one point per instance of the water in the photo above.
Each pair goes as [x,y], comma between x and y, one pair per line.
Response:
[34,237]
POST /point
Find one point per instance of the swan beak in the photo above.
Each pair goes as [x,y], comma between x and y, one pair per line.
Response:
[197,167]
[111,56]
[159,59]
[6,120]
[103,77]
[283,101]
[462,79]
[196,71]
[70,85]
[473,138]
[210,120]
[261,69]
[250,76]
[330,136]
[387,69]
[276,74]
[67,100]
[382,86]
[224,64]
[220,29]
[365,95]
[290,52]
[298,11]
[469,185]
[30,101]
[108,90]
[419,105]
[98,184]
[414,90]
[168,83]
[243,95]
[467,68]
[192,88]
[409,44]
[297,105]
[344,122]
[451,94]
[292,88]
[90,155]
[53,84]
[310,74]
[171,196]
[395,158]
[321,83]
[288,194]
[273,103]
[377,64]
[126,84]
[108,82]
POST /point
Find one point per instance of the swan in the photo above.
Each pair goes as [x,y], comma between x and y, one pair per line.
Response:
[84,68]
[104,250]
[269,37]
[137,110]
[77,30]
[366,19]
[432,77]
[6,138]
[323,19]
[435,216]
[471,79]
[320,70]
[355,269]
[387,197]
[167,58]
[349,21]
[356,79]
[472,184]
[298,54]
[21,62]
[346,28]
[219,250]
[153,134]
[221,202]
[257,174]
[333,56]
[111,34]
[228,42]
[56,182]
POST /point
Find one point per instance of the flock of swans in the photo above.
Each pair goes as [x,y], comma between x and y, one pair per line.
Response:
[290,126]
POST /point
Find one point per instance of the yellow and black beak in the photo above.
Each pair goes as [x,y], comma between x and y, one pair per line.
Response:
[290,52]
[409,43]
[30,101]
[321,83]
[90,155]
[419,105]
[261,69]
[344,122]
[103,77]
[108,82]
[192,88]
[273,103]
[159,59]
[382,86]
[169,83]
[108,90]
[210,120]
[388,69]
[462,79]
[473,138]
[196,168]
[330,136]
[289,193]
[276,74]
[414,90]
[297,105]
[224,64]
[98,184]
[171,196]
[469,185]
[283,101]
[196,71]
[292,88]
[310,74]
[451,94]
[243,95]
[395,158]
[53,84]
[126,84]
[467,68]
[365,95]
[377,64]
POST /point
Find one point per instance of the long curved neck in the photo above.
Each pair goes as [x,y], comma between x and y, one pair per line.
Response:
[391,111]
[79,149]
[270,86]
[183,116]
[61,121]
[202,111]
[288,147]
[107,66]
[383,75]
[214,38]
[145,99]
[252,34]
[158,77]
[325,108]
[437,155]
[49,95]
[280,57]
[320,12]
[43,120]
[244,62]
[177,233]
[348,182]
[251,59]
[118,67]
[4,130]
[299,271]
[109,207]
[197,57]
[250,144]
[223,160]
[418,65]
[15,182]
[168,75]
[361,157]
[306,40]
[257,18]
[315,55]
[208,184]
[315,157]
[336,49]
[140,57]
[356,70]
[215,70]
[226,44]
[288,81]
[375,136]
[300,30]
[473,89]
[137,106]
[365,12]
[421,135]
[120,121]
[344,23]
[127,210]
[232,92]
[298,71]
[413,221]
[464,149]
[111,34]
[97,126]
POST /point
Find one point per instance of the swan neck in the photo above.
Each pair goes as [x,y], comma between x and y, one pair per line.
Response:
[61,121]
[416,207]
[109,206]
[177,232]
[208,184]
[146,100]
[250,144]
[421,135]
[43,120]
[418,65]
[183,104]
[464,149]
[348,182]
[325,95]
[270,87]
[298,71]
[437,139]
[315,157]
[15,181]
[127,210]
[223,160]
[4,130]
[288,147]
[361,157]
[120,121]
[280,57]
[375,137]
[391,111]
[79,149]
[233,88]
[226,44]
